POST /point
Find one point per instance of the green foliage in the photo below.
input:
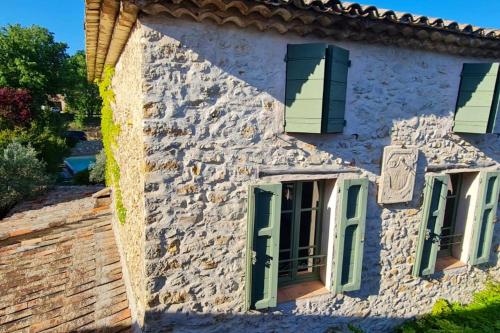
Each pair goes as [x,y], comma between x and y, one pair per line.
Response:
[98,169]
[21,174]
[51,148]
[31,59]
[82,178]
[354,328]
[110,131]
[480,316]
[82,97]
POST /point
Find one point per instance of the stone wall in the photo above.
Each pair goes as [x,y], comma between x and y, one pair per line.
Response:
[127,85]
[214,114]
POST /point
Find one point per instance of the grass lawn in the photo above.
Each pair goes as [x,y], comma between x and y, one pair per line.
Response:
[482,315]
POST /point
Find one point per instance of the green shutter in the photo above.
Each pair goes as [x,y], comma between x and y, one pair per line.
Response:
[484,217]
[264,210]
[337,64]
[436,188]
[494,121]
[475,112]
[305,72]
[351,216]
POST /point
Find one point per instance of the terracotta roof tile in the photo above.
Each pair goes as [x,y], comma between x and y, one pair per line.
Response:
[323,18]
[61,277]
[353,10]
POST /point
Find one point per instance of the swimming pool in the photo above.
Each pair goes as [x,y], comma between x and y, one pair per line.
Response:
[79,163]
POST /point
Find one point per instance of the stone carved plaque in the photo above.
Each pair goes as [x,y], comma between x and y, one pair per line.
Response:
[398,174]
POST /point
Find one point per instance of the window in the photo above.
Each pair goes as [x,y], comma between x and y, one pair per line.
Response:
[316,83]
[300,255]
[457,225]
[304,233]
[478,103]
[449,236]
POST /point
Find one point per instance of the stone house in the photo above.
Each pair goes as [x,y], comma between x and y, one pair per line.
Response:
[298,166]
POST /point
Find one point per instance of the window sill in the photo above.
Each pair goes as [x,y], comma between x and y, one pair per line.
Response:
[448,263]
[301,291]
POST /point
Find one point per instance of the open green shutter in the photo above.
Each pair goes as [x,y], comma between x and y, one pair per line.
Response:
[335,89]
[351,216]
[264,210]
[436,188]
[305,72]
[475,112]
[484,217]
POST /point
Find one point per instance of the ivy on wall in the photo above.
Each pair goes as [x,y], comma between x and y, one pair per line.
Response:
[110,131]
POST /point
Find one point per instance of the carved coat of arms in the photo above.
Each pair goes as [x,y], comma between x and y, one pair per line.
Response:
[398,174]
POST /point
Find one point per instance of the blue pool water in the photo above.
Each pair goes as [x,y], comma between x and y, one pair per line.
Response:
[79,163]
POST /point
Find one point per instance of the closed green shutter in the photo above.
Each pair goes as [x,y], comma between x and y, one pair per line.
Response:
[264,210]
[335,89]
[305,73]
[475,112]
[351,216]
[484,217]
[494,122]
[436,188]
[316,84]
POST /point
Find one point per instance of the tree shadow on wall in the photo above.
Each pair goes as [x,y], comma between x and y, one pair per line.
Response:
[265,322]
[446,318]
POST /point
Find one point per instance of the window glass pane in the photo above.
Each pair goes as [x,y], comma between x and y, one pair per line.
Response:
[352,200]
[482,232]
[447,229]
[310,195]
[307,240]
[489,190]
[454,183]
[285,235]
[287,196]
[285,244]
[349,254]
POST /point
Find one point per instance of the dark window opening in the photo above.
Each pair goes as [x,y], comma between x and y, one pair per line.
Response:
[300,256]
[448,235]
[451,239]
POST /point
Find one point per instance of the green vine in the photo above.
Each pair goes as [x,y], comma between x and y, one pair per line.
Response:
[110,131]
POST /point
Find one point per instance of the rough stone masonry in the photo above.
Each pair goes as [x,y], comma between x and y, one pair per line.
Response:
[201,110]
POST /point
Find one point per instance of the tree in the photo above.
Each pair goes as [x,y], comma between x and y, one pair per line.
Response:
[32,62]
[82,97]
[31,59]
[15,107]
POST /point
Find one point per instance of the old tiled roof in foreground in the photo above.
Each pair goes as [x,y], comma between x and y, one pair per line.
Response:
[60,267]
[109,22]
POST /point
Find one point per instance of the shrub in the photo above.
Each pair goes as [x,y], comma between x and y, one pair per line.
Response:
[477,317]
[97,170]
[22,174]
[14,107]
[110,131]
[50,147]
[81,178]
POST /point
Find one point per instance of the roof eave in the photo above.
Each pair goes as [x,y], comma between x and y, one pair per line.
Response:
[108,24]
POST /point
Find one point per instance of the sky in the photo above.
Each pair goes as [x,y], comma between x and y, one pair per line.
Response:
[65,17]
